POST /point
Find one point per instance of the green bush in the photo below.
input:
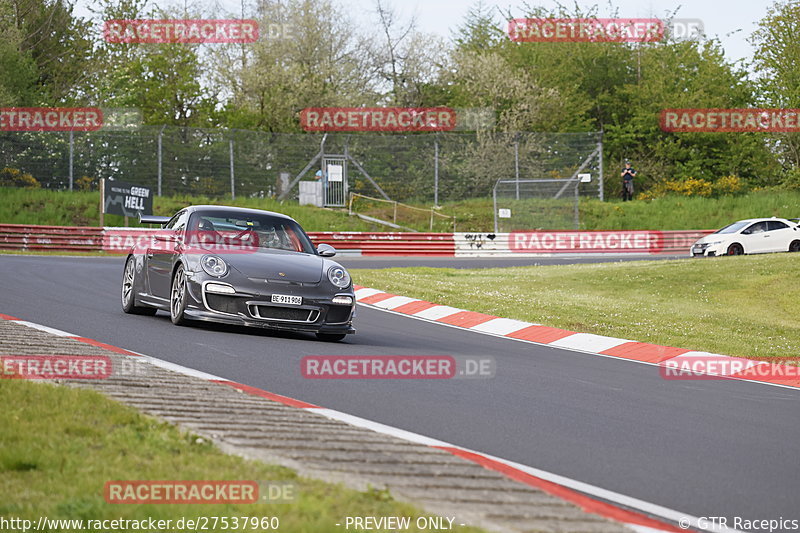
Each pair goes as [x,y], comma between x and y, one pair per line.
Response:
[13,177]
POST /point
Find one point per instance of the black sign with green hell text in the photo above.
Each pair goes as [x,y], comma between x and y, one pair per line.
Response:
[127,199]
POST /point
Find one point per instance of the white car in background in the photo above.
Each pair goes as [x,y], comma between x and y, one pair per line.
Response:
[751,236]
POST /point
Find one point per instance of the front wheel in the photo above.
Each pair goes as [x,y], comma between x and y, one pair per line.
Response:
[129,291]
[795,246]
[331,337]
[178,297]
[735,249]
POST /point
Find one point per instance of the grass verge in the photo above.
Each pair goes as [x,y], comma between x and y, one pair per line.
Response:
[78,208]
[59,446]
[742,306]
[64,208]
[667,213]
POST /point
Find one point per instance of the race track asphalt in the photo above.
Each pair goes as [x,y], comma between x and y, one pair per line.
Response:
[707,448]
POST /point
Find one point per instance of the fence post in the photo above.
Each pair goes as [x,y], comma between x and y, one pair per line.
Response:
[394,218]
[71,155]
[436,170]
[102,201]
[577,208]
[516,161]
[160,134]
[233,187]
[431,219]
[600,161]
[494,207]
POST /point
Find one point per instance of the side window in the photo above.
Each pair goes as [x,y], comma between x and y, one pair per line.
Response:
[172,222]
[758,227]
[178,222]
[772,225]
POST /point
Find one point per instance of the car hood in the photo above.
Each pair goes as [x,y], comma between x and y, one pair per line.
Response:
[278,265]
[715,237]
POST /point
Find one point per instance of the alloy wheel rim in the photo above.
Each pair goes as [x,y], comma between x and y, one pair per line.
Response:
[177,293]
[127,285]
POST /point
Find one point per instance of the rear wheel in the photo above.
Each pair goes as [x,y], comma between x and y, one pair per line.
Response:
[795,246]
[331,337]
[129,291]
[735,249]
[178,296]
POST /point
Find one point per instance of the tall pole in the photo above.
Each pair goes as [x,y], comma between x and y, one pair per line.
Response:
[494,207]
[436,171]
[577,206]
[233,186]
[600,162]
[516,162]
[71,155]
[160,134]
[102,201]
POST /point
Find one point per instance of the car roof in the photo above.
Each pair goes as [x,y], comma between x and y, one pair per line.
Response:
[240,210]
[764,219]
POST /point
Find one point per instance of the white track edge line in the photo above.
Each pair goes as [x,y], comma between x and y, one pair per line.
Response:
[46,329]
[576,350]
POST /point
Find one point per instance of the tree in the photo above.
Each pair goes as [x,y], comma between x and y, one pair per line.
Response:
[405,62]
[48,51]
[311,61]
[164,81]
[777,68]
[19,89]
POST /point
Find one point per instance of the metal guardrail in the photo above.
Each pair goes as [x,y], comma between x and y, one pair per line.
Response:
[50,238]
[120,240]
[382,243]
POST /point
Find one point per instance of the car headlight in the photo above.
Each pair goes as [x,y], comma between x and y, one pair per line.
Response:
[713,243]
[339,277]
[214,266]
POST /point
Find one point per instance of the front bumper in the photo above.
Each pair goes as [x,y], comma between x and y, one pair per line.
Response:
[251,305]
[705,250]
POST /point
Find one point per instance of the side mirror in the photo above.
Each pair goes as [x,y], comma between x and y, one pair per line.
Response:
[166,237]
[326,250]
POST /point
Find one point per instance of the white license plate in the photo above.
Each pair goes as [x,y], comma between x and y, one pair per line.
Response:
[286,299]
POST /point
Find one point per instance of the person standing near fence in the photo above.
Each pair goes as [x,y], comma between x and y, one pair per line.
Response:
[628,173]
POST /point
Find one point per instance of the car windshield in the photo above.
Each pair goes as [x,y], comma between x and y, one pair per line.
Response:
[733,228]
[246,229]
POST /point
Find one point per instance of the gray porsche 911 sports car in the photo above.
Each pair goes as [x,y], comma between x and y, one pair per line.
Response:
[239,266]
